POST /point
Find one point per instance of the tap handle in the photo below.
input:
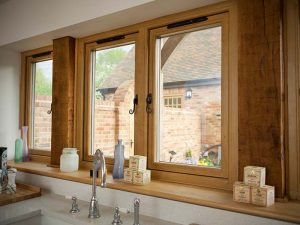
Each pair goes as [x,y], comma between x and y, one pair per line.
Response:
[117,217]
[136,204]
[74,208]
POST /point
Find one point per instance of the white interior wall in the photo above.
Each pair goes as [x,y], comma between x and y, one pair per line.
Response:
[10,63]
[23,19]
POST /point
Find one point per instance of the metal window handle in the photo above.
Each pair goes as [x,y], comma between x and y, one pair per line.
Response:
[50,110]
[135,102]
[148,103]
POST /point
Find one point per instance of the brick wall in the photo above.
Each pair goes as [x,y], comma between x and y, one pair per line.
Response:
[196,124]
[42,122]
[206,100]
[112,122]
[181,131]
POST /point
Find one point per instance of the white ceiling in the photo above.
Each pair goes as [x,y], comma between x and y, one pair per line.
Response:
[142,12]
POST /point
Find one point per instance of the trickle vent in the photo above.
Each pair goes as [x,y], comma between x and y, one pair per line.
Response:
[187,22]
[41,54]
[115,38]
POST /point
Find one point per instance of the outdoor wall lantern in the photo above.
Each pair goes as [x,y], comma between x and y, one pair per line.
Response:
[188,93]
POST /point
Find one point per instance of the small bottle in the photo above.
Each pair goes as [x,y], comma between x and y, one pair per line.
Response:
[25,146]
[18,149]
[118,171]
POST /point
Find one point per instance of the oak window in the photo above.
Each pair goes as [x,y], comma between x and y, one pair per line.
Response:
[184,129]
[110,90]
[190,60]
[38,99]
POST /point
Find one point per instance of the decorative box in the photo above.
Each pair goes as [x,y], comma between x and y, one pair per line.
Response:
[128,175]
[263,196]
[138,162]
[255,176]
[141,177]
[241,192]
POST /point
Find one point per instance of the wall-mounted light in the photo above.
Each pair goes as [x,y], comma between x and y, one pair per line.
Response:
[188,93]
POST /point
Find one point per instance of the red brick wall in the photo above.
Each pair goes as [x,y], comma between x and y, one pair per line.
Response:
[197,123]
[205,100]
[112,122]
[181,131]
[42,122]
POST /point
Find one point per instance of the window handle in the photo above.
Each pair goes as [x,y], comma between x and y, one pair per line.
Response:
[148,103]
[50,110]
[135,102]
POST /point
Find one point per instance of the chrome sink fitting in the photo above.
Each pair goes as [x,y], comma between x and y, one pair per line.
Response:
[136,206]
[98,163]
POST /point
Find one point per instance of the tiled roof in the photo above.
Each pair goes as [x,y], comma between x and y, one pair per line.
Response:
[196,57]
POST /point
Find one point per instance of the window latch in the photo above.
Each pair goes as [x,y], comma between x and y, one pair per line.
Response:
[148,103]
[135,102]
[50,110]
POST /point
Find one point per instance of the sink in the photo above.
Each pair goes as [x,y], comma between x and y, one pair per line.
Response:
[51,209]
[40,220]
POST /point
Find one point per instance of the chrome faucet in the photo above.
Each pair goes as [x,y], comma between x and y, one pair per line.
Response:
[98,163]
[136,204]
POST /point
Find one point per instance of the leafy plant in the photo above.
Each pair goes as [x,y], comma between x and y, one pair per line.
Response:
[188,154]
[106,62]
[43,84]
[205,161]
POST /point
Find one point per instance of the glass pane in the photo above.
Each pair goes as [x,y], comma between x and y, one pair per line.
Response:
[190,129]
[42,98]
[113,93]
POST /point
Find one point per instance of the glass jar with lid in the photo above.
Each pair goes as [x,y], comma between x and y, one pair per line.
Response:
[69,160]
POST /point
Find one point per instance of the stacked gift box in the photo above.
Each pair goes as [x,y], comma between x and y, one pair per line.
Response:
[253,189]
[137,172]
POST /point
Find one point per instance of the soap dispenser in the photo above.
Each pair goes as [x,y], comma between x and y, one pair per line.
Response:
[118,171]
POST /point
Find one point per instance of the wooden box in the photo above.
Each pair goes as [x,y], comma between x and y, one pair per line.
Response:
[255,176]
[263,196]
[241,192]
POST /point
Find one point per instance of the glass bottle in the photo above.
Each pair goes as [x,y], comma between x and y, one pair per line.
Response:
[19,149]
[25,146]
[118,171]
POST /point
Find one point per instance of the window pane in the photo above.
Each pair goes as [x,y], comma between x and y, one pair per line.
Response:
[42,98]
[113,93]
[190,129]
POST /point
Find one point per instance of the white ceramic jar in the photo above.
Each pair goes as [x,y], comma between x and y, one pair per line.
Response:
[69,160]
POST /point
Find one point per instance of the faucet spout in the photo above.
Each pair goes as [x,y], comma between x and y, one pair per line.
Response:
[98,163]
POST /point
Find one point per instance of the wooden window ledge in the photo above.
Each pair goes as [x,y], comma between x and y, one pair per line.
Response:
[286,211]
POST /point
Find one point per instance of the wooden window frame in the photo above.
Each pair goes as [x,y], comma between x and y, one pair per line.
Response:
[198,173]
[177,96]
[131,37]
[143,144]
[291,48]
[46,53]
